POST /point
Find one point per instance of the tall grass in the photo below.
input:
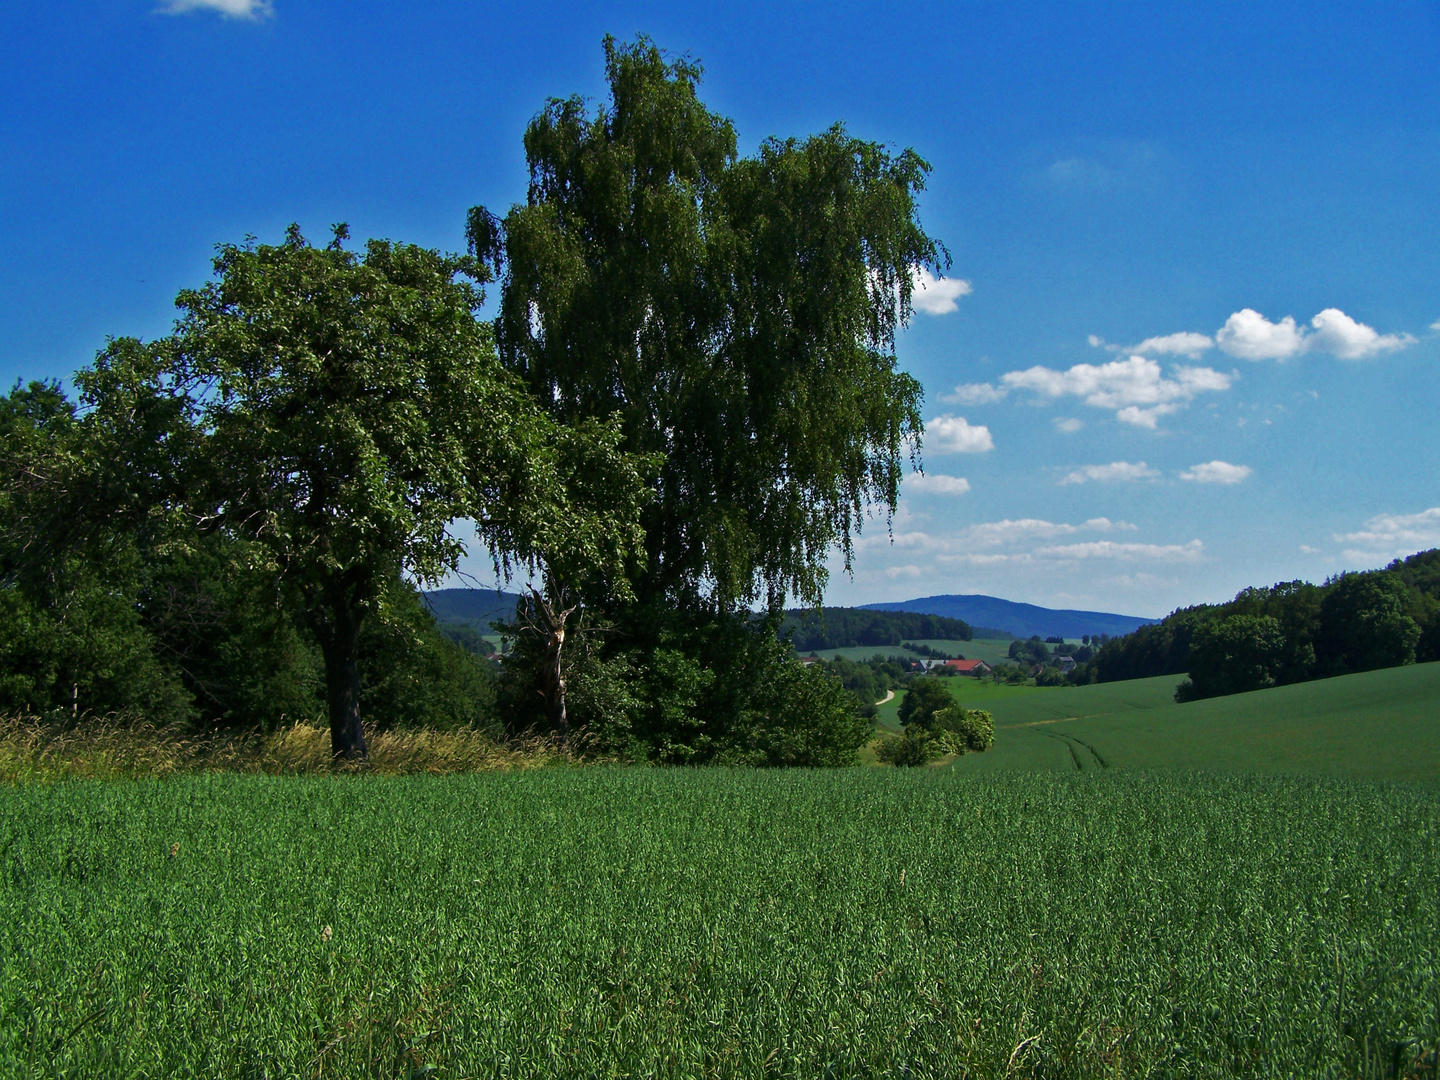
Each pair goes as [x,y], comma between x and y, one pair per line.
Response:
[698,923]
[108,748]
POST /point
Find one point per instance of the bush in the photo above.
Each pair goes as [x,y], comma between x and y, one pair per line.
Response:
[915,747]
[959,730]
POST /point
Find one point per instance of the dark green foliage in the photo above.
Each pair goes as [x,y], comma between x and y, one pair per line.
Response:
[738,314]
[1033,651]
[1288,633]
[1364,625]
[724,691]
[915,748]
[868,681]
[960,730]
[1234,655]
[923,699]
[666,922]
[736,317]
[844,628]
[1161,648]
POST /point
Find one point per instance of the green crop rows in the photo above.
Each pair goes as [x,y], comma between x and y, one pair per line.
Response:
[597,922]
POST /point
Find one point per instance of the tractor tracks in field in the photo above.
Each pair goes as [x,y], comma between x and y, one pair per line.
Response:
[1075,746]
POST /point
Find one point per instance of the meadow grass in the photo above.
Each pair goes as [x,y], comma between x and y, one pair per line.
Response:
[649,922]
[1378,725]
[33,750]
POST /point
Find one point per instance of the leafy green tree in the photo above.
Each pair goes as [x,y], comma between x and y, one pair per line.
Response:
[1234,655]
[338,412]
[739,314]
[960,730]
[1364,625]
[923,699]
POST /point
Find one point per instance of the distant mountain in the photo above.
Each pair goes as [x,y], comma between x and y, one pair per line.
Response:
[477,607]
[1022,620]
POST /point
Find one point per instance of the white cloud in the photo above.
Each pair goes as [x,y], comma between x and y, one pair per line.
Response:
[1388,536]
[1216,472]
[976,394]
[1067,425]
[936,296]
[1435,325]
[1135,387]
[1185,343]
[937,484]
[1109,549]
[1337,333]
[956,435]
[230,9]
[1133,414]
[1115,471]
[1010,532]
[1250,336]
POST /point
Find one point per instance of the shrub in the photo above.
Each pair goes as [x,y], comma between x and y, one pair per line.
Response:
[915,747]
[959,730]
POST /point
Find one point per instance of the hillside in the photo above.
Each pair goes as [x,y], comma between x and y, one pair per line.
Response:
[1022,620]
[476,607]
[1377,725]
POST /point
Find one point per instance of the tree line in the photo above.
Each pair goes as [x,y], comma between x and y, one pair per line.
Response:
[1291,632]
[844,628]
[688,399]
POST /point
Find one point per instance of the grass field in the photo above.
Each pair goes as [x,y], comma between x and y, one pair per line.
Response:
[679,923]
[990,650]
[1379,725]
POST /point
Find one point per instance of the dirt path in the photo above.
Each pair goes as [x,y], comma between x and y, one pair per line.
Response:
[889,696]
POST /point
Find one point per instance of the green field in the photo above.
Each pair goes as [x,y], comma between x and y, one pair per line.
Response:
[991,650]
[652,922]
[1379,725]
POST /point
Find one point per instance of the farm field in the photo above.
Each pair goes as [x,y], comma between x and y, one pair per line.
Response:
[1379,725]
[991,650]
[652,922]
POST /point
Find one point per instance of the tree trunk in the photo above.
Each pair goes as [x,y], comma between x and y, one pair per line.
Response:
[340,645]
[549,620]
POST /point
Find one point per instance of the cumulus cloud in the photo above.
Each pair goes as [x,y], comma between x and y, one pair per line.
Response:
[1136,387]
[1216,472]
[1067,425]
[1185,343]
[1114,472]
[253,10]
[1388,536]
[937,484]
[936,296]
[956,435]
[976,394]
[1336,332]
[1435,325]
[1250,336]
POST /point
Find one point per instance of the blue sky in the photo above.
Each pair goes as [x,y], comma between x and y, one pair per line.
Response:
[1196,342]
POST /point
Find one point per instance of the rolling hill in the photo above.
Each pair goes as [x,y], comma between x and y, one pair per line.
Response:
[475,607]
[1022,620]
[1376,725]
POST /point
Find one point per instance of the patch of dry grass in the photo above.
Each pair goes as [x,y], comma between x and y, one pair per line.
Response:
[34,750]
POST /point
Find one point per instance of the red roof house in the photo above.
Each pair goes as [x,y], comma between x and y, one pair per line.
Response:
[967,667]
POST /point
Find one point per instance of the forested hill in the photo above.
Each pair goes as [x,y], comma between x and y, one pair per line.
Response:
[474,606]
[1022,620]
[1291,632]
[840,628]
